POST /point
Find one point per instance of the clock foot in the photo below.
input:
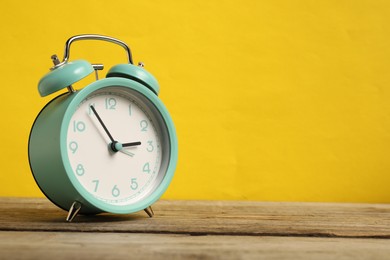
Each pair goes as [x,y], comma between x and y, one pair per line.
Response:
[149,211]
[74,209]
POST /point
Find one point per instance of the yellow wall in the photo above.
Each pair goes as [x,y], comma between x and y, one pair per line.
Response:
[273,100]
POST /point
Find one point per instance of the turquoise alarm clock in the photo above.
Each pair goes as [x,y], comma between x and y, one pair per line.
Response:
[108,147]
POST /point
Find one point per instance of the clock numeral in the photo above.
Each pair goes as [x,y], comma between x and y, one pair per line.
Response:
[73,146]
[134,184]
[130,109]
[144,125]
[150,147]
[96,185]
[90,112]
[146,168]
[80,170]
[78,126]
[110,103]
[115,191]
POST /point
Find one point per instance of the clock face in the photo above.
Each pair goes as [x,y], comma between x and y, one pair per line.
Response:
[117,146]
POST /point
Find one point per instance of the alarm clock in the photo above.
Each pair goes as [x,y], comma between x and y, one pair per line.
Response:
[110,146]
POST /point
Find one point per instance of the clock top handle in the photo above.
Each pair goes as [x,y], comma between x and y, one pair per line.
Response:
[93,37]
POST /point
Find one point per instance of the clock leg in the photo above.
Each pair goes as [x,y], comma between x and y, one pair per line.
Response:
[74,209]
[149,211]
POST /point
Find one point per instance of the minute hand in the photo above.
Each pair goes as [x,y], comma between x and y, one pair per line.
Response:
[103,125]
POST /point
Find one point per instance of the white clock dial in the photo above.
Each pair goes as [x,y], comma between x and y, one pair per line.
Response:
[119,173]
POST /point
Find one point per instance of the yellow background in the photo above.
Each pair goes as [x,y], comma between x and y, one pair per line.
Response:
[272,100]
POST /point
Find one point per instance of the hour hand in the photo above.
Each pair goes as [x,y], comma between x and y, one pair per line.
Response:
[131,144]
[119,147]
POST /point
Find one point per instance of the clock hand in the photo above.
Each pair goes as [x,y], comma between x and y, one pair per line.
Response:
[115,146]
[103,125]
[128,145]
[127,152]
[131,144]
[118,147]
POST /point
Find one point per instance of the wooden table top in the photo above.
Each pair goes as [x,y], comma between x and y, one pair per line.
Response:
[33,228]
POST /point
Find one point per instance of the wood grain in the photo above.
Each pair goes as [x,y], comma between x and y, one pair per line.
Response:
[81,245]
[33,228]
[209,218]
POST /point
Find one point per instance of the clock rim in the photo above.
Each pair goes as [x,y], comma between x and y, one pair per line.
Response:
[172,140]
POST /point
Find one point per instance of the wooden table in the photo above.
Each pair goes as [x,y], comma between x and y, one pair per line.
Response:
[32,228]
